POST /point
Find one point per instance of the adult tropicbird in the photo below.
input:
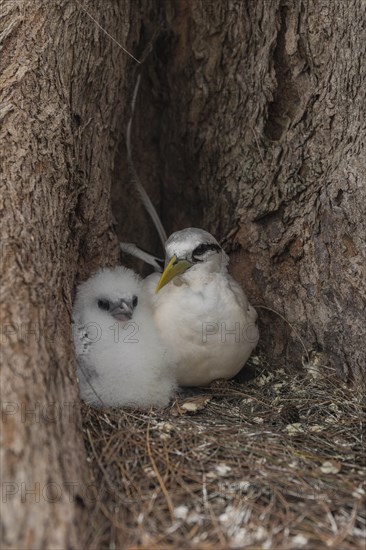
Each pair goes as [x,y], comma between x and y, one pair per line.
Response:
[203,315]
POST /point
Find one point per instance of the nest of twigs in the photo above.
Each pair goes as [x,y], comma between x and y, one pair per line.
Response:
[277,462]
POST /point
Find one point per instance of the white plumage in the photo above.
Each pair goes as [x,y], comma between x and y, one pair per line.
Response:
[121,360]
[203,315]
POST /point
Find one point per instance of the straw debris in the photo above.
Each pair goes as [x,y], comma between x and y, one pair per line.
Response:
[277,462]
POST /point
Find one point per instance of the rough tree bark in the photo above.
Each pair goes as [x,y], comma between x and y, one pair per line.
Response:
[259,137]
[249,123]
[61,109]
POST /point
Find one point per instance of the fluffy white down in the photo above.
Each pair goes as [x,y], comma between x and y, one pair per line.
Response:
[119,363]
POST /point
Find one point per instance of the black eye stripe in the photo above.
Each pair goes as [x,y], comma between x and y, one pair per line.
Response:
[205,247]
[104,305]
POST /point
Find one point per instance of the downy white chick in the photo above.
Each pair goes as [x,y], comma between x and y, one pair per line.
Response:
[121,360]
[203,315]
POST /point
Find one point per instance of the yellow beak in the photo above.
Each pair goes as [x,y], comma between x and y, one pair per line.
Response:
[175,267]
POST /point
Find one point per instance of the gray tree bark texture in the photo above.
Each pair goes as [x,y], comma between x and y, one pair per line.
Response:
[249,123]
[60,121]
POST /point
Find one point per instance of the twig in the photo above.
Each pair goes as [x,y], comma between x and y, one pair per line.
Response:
[135,178]
[160,479]
[105,473]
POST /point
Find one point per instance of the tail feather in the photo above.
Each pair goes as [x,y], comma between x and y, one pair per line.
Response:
[144,196]
[133,250]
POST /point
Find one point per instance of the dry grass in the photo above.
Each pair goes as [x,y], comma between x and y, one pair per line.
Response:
[278,462]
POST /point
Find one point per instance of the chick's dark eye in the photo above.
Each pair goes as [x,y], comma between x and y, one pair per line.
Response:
[104,305]
[135,301]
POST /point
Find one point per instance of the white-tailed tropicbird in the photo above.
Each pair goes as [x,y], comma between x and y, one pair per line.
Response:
[121,360]
[203,315]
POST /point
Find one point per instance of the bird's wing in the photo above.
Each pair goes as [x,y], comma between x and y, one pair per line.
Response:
[83,348]
[82,340]
[134,250]
[86,372]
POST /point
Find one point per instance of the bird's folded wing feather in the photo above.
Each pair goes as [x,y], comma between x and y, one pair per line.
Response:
[83,346]
[82,341]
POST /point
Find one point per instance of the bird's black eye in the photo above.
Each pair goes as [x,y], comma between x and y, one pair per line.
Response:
[135,301]
[202,248]
[104,305]
[199,250]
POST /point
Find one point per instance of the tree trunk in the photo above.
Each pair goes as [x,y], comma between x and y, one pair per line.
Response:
[248,123]
[258,136]
[61,112]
